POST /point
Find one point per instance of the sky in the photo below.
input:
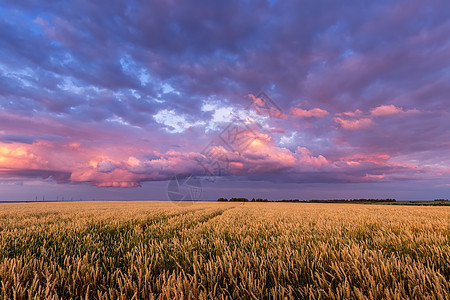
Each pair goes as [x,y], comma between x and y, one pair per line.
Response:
[205,99]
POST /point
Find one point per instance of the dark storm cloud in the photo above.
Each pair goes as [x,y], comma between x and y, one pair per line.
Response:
[230,48]
[58,176]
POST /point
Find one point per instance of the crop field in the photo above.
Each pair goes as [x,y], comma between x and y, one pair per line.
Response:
[142,250]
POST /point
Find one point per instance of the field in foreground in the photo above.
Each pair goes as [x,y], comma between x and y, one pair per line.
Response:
[109,250]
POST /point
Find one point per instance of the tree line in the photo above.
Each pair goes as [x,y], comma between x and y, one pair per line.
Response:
[242,200]
[361,200]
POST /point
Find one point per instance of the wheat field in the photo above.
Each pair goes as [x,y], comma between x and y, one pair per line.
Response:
[144,250]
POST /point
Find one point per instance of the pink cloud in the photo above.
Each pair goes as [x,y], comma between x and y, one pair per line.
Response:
[306,158]
[357,159]
[353,124]
[351,114]
[387,110]
[359,120]
[374,177]
[127,167]
[122,160]
[302,113]
[266,107]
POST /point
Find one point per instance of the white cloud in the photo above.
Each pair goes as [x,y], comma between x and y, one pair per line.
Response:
[176,123]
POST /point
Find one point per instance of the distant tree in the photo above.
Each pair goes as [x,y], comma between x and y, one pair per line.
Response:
[253,199]
[238,200]
[222,200]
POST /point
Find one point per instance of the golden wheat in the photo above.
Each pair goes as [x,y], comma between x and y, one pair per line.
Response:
[137,250]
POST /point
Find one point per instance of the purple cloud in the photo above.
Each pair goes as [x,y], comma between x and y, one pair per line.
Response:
[362,88]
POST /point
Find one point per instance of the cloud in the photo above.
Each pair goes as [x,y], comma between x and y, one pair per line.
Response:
[157,74]
[297,112]
[354,124]
[358,120]
[175,123]
[57,176]
[264,105]
[106,166]
[388,110]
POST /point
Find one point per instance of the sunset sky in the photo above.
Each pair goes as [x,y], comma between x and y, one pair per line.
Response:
[330,99]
